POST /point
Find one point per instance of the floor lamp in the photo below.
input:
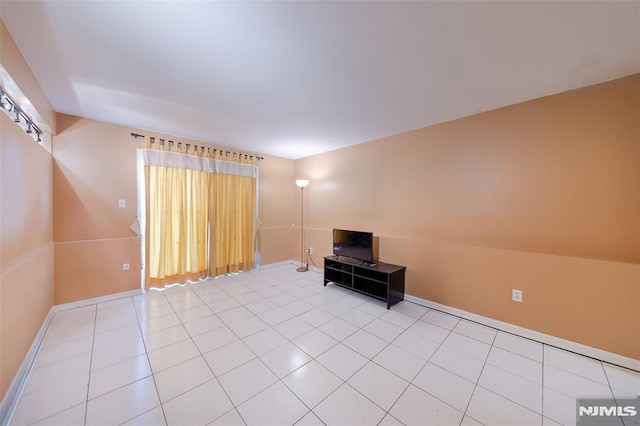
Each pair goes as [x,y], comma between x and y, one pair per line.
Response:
[302,183]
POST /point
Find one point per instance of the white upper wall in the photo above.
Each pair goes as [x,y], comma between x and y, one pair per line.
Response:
[294,79]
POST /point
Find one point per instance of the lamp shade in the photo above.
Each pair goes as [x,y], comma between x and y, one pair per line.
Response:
[302,182]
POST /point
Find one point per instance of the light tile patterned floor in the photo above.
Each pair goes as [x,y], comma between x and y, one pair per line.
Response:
[277,347]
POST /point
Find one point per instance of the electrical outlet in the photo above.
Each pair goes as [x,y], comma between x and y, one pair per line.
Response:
[516,295]
[310,250]
[125,266]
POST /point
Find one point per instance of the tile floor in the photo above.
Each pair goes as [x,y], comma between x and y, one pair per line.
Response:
[277,347]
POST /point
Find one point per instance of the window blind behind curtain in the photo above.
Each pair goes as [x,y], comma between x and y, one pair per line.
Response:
[201,209]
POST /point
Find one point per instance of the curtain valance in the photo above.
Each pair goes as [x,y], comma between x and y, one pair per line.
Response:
[178,160]
[200,214]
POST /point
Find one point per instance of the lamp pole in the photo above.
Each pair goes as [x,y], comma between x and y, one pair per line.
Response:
[302,183]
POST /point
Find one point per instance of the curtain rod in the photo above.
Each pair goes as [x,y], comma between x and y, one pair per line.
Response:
[188,145]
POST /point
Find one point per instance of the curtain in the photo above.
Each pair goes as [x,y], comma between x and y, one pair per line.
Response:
[200,214]
[232,227]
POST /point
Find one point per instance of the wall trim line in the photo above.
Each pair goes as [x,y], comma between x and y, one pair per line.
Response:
[579,348]
[14,392]
[25,257]
[61,243]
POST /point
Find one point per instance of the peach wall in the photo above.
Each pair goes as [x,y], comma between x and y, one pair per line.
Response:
[94,166]
[87,269]
[26,245]
[541,196]
[14,63]
[277,208]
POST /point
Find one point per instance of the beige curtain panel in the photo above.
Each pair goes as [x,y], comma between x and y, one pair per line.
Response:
[200,215]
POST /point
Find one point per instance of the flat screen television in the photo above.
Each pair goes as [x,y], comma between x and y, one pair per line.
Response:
[353,244]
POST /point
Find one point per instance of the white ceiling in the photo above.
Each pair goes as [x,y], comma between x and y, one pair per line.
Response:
[294,79]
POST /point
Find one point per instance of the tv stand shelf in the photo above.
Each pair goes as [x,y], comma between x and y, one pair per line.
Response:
[383,281]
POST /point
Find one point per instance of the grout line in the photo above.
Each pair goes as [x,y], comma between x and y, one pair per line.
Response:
[153,376]
[291,342]
[542,381]
[479,376]
[215,376]
[274,280]
[93,342]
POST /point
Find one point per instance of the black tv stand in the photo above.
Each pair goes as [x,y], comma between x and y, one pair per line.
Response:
[383,281]
[354,261]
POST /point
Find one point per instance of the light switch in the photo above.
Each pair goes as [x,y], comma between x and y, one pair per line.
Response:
[122,203]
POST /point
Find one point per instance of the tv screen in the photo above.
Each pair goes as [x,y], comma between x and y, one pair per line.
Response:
[354,244]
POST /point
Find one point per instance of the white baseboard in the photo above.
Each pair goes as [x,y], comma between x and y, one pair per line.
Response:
[275,264]
[286,263]
[11,398]
[316,269]
[96,300]
[547,339]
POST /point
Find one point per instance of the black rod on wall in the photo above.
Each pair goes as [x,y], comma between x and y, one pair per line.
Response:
[7,104]
[188,145]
